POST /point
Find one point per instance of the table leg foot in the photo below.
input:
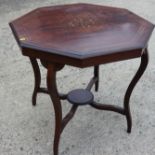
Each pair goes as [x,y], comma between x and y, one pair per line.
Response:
[96,75]
[129,121]
[37,77]
[143,65]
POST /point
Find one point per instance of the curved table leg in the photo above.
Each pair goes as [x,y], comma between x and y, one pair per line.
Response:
[52,88]
[96,75]
[37,77]
[143,65]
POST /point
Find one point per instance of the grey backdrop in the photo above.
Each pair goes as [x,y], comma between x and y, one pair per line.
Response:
[25,130]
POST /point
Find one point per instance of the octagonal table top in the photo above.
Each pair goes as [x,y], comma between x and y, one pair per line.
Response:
[81,32]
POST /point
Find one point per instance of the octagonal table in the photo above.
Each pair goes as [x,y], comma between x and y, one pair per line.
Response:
[81,35]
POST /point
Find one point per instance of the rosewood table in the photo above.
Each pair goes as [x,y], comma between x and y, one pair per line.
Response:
[81,35]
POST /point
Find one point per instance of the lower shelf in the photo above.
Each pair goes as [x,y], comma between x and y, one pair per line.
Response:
[80,97]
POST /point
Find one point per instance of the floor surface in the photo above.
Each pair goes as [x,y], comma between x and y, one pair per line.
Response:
[27,130]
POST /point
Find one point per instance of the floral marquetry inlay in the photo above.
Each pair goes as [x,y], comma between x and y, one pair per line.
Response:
[82,21]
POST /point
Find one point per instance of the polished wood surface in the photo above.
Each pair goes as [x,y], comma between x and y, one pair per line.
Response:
[79,34]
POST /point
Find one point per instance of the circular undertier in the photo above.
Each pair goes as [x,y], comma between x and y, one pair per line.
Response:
[80,97]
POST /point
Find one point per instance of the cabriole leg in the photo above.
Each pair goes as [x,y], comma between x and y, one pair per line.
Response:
[37,77]
[96,75]
[52,88]
[143,65]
